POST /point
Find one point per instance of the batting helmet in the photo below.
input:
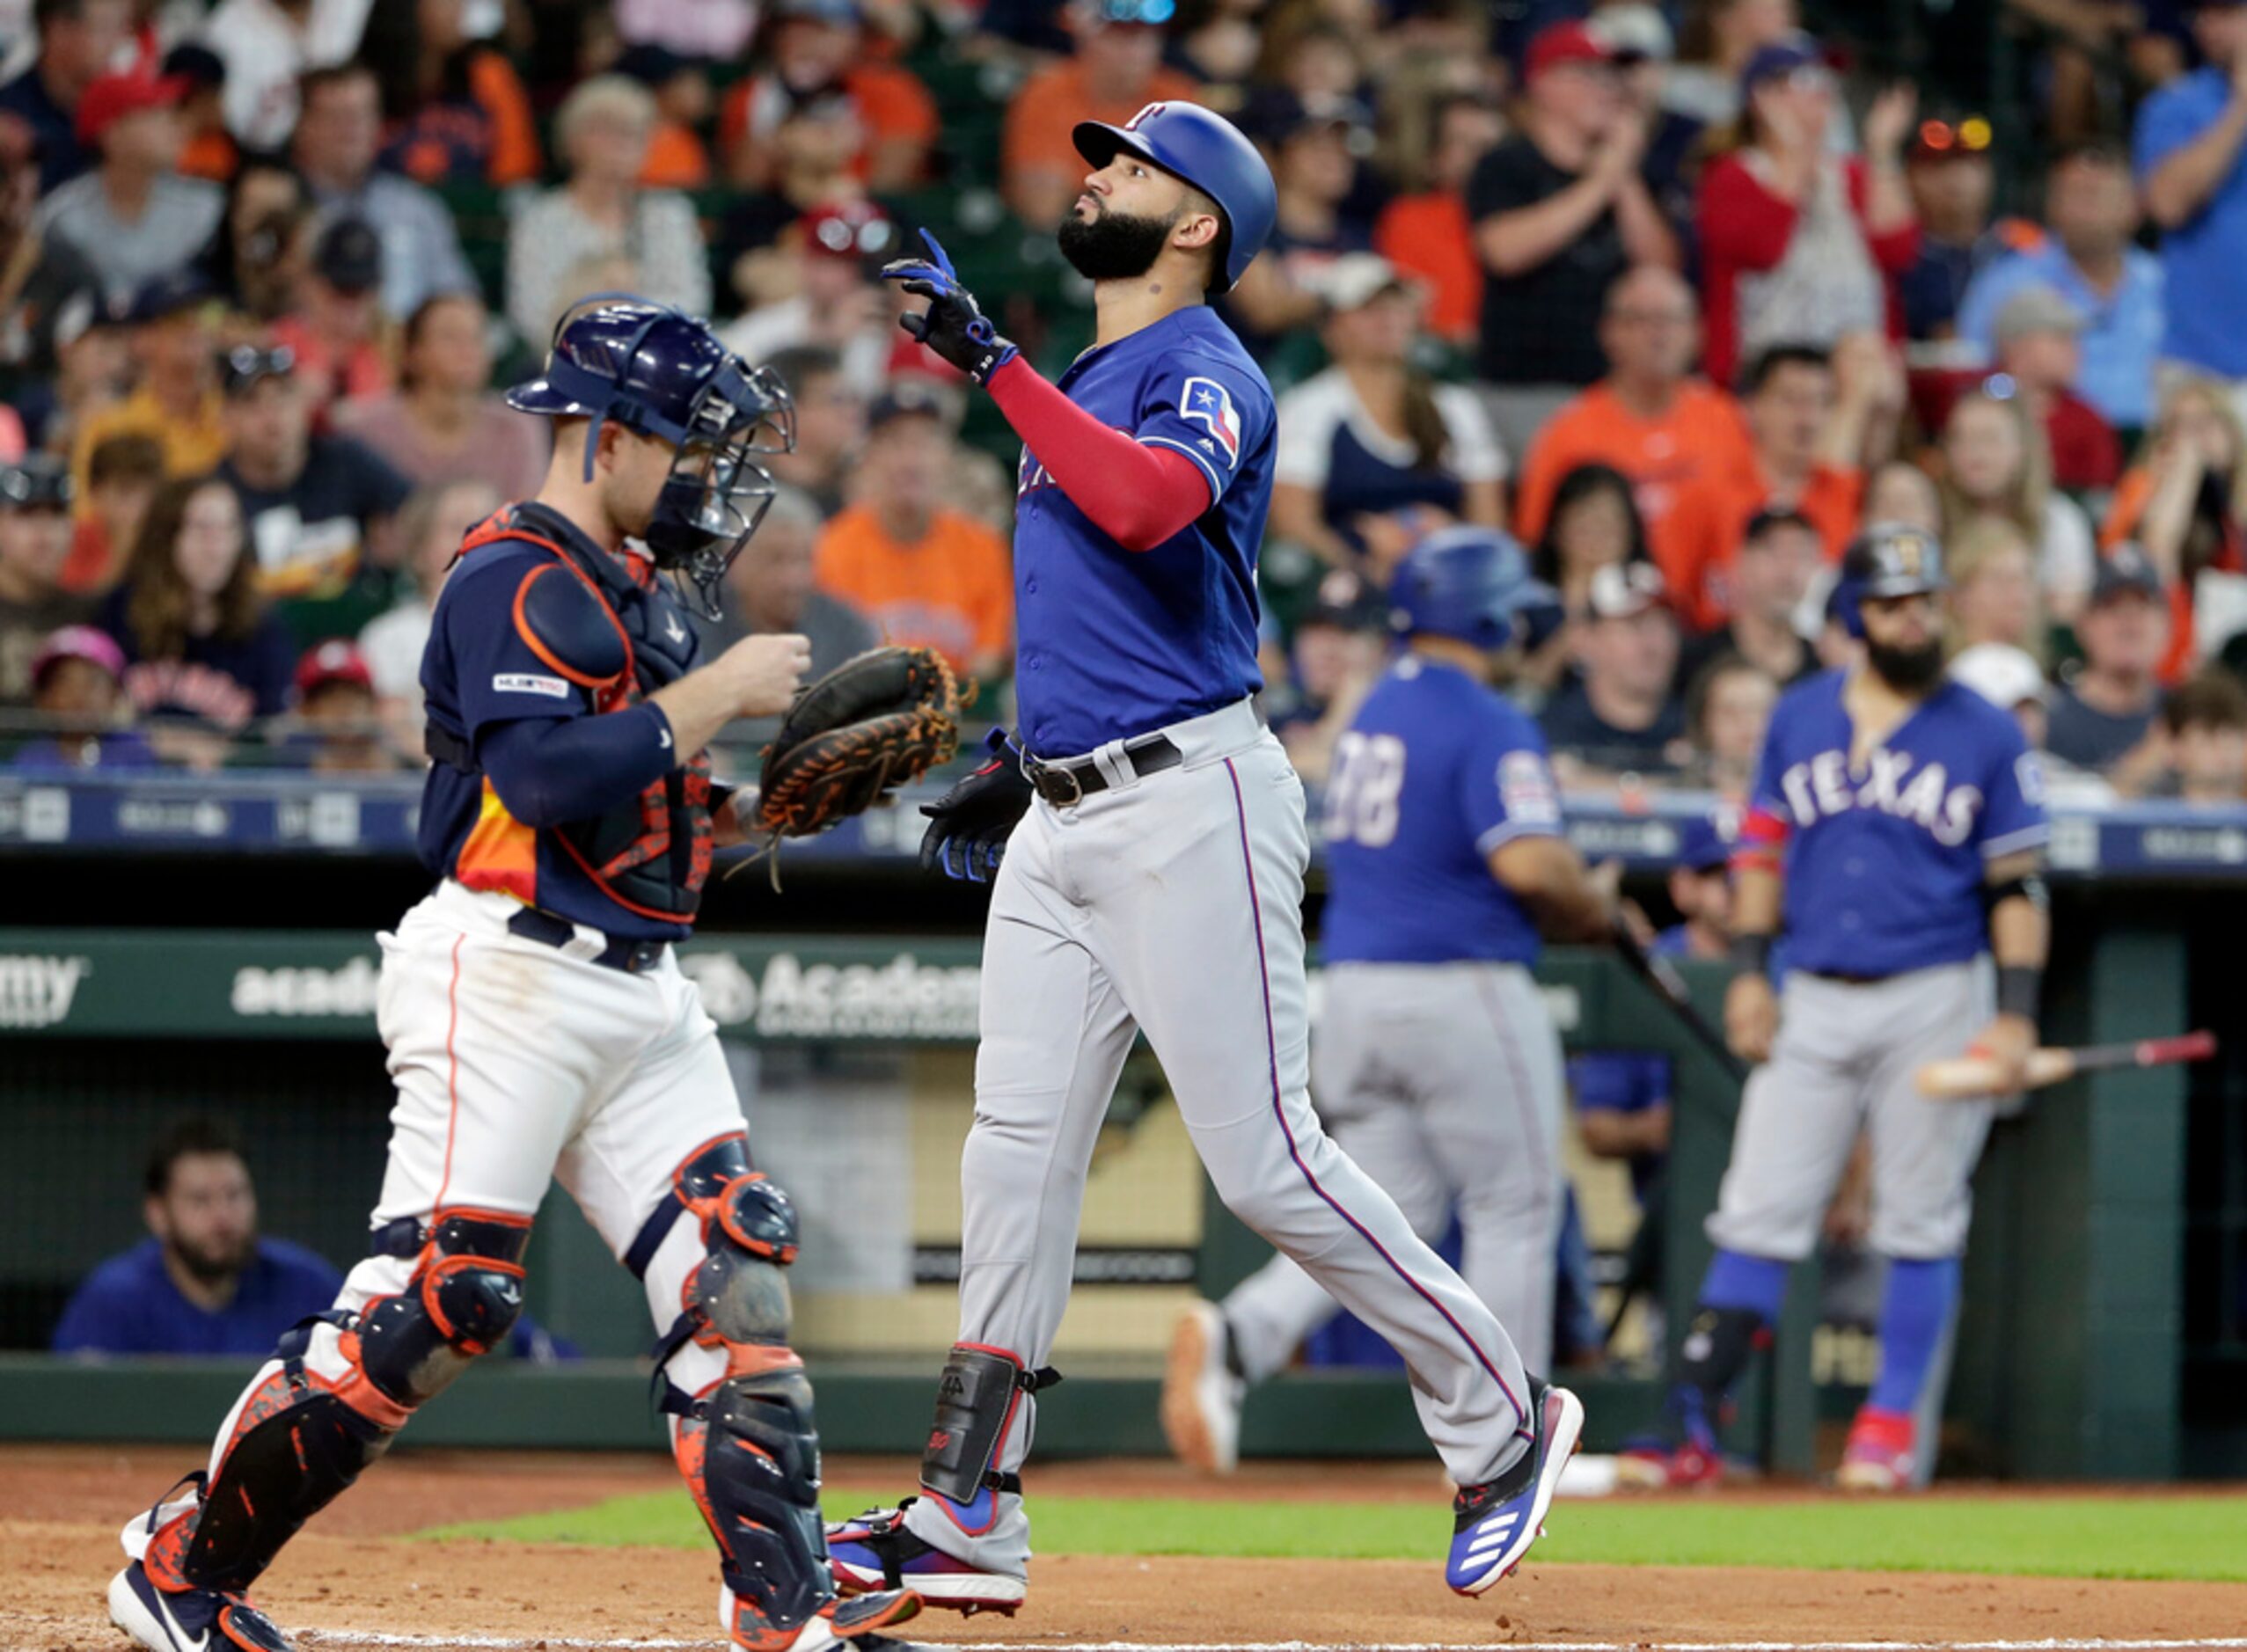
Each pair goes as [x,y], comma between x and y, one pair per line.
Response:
[1469,583]
[1889,558]
[660,372]
[1208,152]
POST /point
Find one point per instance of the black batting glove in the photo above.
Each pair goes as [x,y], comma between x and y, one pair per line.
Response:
[970,824]
[954,324]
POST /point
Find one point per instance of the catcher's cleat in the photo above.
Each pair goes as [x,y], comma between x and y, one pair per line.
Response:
[1201,1394]
[854,1625]
[876,1551]
[188,1619]
[1495,1523]
[1879,1454]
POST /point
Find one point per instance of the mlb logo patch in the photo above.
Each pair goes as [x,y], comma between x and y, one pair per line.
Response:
[1207,402]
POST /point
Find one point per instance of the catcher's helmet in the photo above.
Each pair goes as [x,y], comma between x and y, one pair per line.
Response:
[662,373]
[37,481]
[1889,558]
[1469,583]
[1208,152]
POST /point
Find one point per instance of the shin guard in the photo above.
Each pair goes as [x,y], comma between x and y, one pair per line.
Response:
[748,1444]
[337,1390]
[977,1396]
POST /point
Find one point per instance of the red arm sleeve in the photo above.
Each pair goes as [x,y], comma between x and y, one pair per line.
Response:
[1762,841]
[1137,495]
[1741,222]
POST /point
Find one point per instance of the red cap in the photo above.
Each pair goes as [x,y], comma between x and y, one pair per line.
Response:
[1568,42]
[113,97]
[335,660]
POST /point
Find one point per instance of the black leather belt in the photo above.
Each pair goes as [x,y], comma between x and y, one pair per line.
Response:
[1062,784]
[633,957]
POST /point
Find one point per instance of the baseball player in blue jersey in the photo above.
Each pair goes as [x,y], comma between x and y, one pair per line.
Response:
[1435,1060]
[538,1026]
[1152,879]
[1897,827]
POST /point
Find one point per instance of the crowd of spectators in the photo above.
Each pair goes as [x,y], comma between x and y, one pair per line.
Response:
[1680,295]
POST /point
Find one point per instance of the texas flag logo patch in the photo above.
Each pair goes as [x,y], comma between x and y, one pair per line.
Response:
[1209,403]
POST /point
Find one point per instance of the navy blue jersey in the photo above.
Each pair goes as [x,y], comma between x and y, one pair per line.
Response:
[1436,772]
[482,669]
[1885,863]
[130,1305]
[1112,643]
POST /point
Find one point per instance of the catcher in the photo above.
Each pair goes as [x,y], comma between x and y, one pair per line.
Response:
[538,1025]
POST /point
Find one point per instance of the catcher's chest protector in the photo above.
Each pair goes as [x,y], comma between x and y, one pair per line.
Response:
[651,853]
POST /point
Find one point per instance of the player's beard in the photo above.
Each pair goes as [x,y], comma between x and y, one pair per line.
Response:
[1114,247]
[214,1263]
[1906,670]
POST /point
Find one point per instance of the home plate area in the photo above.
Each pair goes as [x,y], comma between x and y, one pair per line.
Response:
[368,1574]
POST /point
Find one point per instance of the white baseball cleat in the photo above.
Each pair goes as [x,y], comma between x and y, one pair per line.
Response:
[1200,1395]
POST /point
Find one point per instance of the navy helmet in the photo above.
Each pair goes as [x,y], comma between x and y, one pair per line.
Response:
[1473,584]
[660,372]
[1208,152]
[37,481]
[1889,558]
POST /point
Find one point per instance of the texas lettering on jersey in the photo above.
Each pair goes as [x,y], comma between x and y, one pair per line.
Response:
[1823,786]
[1884,861]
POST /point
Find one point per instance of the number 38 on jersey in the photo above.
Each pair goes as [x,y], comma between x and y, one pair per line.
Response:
[1363,789]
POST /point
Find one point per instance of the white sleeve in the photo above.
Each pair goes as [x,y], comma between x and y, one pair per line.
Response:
[1308,416]
[1477,453]
[2070,556]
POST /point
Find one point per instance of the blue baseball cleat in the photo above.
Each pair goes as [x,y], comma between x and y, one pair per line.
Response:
[1497,1521]
[876,1551]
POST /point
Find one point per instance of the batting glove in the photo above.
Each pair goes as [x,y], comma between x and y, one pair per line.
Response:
[970,824]
[954,325]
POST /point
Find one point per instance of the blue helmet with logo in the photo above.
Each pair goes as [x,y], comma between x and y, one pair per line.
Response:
[1889,558]
[1469,583]
[660,373]
[1208,152]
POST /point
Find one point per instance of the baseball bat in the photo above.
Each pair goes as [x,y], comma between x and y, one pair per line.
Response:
[1661,975]
[1972,1077]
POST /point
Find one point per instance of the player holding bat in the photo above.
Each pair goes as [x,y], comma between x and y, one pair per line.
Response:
[1897,826]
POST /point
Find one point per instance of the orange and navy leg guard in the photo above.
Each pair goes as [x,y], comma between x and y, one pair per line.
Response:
[746,1437]
[338,1387]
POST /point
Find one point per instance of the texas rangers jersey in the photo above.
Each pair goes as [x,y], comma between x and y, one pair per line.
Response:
[1110,642]
[1885,864]
[1436,772]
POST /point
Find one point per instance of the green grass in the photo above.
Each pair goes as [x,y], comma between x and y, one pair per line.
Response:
[2200,1538]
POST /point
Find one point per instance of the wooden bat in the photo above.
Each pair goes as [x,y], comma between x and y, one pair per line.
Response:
[1974,1077]
[1661,975]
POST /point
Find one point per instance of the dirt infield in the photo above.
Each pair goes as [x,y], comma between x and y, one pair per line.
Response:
[351,1583]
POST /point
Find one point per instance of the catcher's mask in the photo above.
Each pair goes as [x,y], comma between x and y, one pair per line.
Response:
[660,372]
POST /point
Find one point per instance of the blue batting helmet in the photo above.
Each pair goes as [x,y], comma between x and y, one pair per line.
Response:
[662,373]
[1889,558]
[1469,583]
[1208,152]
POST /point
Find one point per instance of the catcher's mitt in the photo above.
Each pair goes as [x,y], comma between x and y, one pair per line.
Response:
[869,726]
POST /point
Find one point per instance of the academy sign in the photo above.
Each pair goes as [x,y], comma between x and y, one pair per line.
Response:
[902,998]
[36,989]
